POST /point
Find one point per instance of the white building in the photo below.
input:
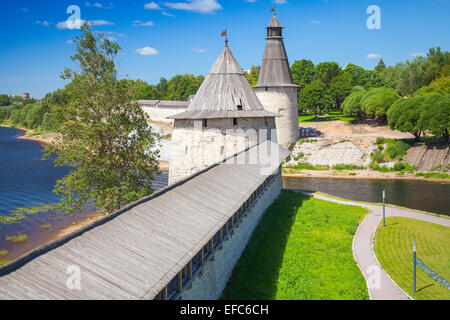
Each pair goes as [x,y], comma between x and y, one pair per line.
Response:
[224,118]
[276,89]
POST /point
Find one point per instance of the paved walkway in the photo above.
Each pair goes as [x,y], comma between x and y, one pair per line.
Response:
[386,288]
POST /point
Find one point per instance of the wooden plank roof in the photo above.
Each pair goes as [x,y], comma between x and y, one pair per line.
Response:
[225,88]
[275,68]
[135,252]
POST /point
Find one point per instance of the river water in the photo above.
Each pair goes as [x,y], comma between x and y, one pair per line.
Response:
[414,194]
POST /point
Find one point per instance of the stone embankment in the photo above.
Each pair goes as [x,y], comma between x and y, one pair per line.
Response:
[332,152]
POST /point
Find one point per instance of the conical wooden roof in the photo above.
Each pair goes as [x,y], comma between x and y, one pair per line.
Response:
[225,93]
[275,68]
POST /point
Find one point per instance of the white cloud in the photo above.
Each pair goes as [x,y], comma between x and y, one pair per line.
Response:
[152,6]
[198,50]
[70,42]
[315,22]
[63,25]
[98,5]
[280,1]
[373,56]
[200,6]
[251,1]
[24,9]
[164,13]
[418,54]
[139,23]
[44,23]
[147,51]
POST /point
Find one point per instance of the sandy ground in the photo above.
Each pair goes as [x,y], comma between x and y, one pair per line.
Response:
[355,174]
[339,129]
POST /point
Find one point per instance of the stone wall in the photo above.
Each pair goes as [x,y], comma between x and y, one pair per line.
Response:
[195,148]
[161,113]
[210,282]
[282,101]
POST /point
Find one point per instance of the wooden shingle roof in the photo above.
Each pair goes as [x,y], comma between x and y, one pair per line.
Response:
[135,252]
[224,89]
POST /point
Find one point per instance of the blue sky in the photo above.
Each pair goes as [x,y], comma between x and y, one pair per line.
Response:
[164,38]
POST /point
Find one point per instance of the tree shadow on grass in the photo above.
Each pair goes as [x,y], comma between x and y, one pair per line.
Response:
[255,276]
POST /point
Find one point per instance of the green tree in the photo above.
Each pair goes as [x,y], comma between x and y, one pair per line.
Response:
[314,98]
[380,66]
[352,104]
[427,91]
[404,115]
[377,102]
[303,73]
[442,83]
[35,114]
[436,115]
[327,71]
[47,122]
[4,100]
[253,75]
[340,88]
[104,135]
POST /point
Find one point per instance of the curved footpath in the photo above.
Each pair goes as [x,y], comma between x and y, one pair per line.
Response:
[363,246]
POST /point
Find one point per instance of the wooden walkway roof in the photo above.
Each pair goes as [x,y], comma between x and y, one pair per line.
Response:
[135,252]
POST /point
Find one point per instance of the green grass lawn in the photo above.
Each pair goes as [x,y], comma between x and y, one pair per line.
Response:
[393,247]
[302,249]
[335,115]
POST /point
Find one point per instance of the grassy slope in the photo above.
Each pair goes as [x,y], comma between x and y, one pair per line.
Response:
[302,249]
[393,247]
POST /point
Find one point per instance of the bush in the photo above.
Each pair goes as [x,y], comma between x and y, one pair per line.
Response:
[396,149]
[378,156]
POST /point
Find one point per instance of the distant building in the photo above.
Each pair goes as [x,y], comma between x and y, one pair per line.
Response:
[26,95]
[276,89]
[160,110]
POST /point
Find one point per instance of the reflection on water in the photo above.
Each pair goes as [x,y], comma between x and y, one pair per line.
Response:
[421,195]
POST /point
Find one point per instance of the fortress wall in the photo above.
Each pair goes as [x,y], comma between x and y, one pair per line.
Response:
[161,113]
[211,281]
[195,148]
[282,101]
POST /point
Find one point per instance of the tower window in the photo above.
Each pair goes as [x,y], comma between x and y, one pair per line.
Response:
[239,107]
[205,123]
[235,122]
[267,89]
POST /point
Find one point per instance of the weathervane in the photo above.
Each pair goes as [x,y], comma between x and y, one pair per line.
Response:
[225,34]
[273,10]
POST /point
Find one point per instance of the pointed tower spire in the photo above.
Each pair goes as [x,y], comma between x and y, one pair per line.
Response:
[275,69]
[276,89]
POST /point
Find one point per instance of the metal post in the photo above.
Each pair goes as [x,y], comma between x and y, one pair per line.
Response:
[414,264]
[384,209]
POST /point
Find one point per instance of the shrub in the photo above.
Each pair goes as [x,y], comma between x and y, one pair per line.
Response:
[396,149]
[378,156]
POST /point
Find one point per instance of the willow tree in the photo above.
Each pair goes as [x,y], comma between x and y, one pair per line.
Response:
[104,135]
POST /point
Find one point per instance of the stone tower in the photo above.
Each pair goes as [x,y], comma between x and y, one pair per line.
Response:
[276,89]
[224,118]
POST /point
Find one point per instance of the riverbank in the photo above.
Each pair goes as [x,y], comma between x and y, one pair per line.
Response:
[357,174]
[30,134]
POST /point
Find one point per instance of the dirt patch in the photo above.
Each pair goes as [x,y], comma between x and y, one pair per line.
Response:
[340,129]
